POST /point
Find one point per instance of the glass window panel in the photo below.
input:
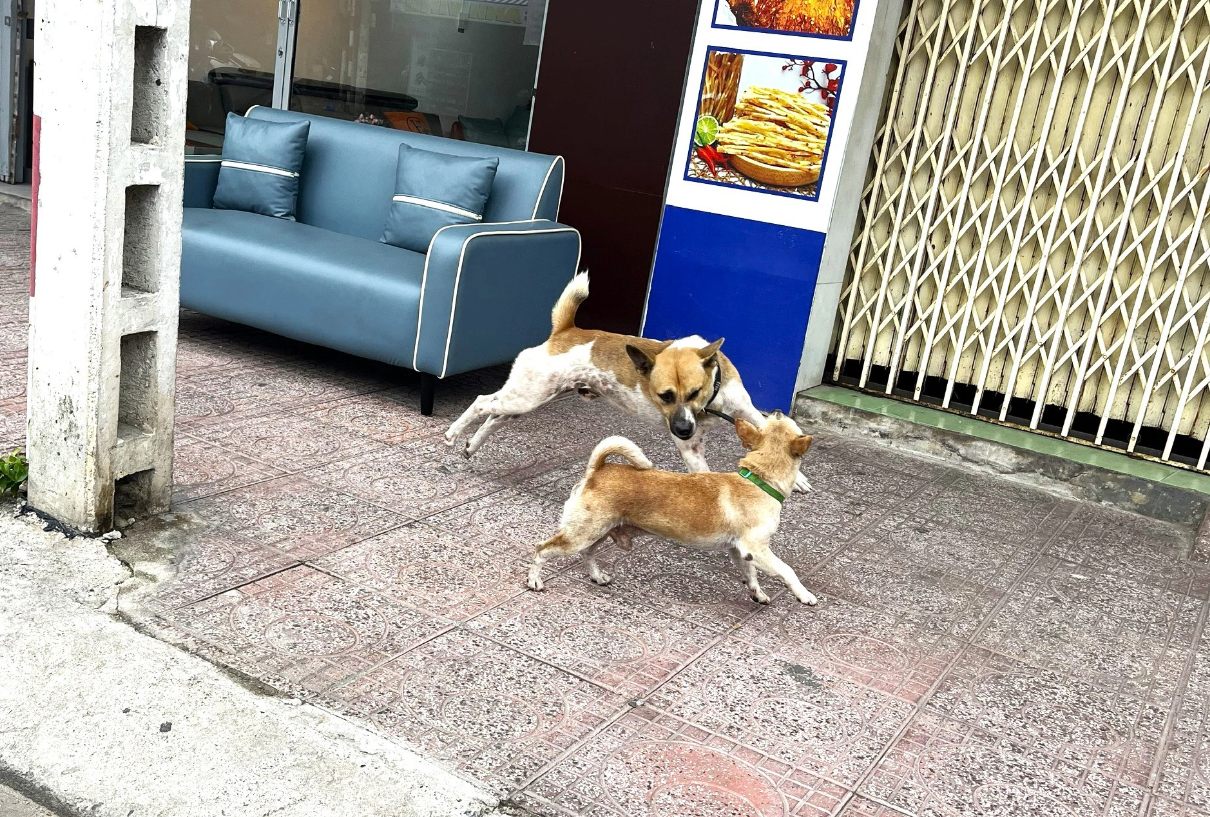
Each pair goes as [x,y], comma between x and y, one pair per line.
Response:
[457,69]
[232,45]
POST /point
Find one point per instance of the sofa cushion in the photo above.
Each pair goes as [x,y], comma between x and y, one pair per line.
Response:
[348,178]
[261,165]
[435,190]
[352,294]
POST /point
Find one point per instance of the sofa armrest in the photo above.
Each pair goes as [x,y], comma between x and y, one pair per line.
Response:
[488,290]
[201,177]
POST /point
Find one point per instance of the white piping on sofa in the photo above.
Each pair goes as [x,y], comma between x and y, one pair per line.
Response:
[546,181]
[458,279]
[438,205]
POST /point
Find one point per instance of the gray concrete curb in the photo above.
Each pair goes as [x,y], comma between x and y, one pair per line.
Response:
[1056,475]
[98,719]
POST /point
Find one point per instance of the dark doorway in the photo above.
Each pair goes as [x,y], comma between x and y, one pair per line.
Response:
[609,90]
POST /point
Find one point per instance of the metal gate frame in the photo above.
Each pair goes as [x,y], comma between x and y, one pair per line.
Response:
[1033,243]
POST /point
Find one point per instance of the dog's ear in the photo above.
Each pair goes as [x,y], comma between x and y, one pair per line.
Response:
[800,444]
[749,434]
[707,353]
[642,361]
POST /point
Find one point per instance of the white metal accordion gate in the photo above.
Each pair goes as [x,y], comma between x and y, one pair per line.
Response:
[1034,241]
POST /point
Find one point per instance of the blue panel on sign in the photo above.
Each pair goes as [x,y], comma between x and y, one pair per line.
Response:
[747,281]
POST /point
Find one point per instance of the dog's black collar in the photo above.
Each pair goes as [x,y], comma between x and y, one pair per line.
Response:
[718,384]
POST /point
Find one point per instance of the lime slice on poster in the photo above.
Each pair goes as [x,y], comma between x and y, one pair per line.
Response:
[706,132]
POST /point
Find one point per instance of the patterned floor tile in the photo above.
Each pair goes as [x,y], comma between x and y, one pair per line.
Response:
[922,595]
[649,764]
[213,561]
[1107,629]
[629,648]
[302,630]
[1163,807]
[287,441]
[1184,777]
[432,569]
[294,515]
[263,386]
[480,707]
[942,767]
[200,468]
[701,587]
[12,426]
[1128,545]
[936,543]
[376,417]
[195,406]
[796,713]
[520,520]
[876,649]
[414,484]
[1108,732]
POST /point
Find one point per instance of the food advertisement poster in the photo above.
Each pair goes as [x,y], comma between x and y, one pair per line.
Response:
[816,18]
[764,122]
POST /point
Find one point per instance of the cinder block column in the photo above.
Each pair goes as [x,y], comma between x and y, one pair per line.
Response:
[110,103]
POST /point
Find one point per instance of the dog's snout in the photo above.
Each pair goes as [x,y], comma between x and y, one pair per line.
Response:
[682,424]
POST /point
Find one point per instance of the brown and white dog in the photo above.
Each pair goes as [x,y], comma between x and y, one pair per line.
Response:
[739,512]
[669,382]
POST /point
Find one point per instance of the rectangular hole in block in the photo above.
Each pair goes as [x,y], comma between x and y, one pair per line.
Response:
[140,239]
[132,496]
[149,113]
[137,392]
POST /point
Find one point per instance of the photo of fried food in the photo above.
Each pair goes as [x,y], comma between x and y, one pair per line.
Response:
[832,18]
[776,137]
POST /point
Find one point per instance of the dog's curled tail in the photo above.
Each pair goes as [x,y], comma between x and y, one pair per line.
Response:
[563,316]
[622,447]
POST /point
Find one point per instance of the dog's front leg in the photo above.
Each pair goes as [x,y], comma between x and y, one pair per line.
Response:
[759,554]
[693,453]
[473,413]
[748,573]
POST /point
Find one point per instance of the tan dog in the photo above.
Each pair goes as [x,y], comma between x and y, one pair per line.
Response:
[739,512]
[668,382]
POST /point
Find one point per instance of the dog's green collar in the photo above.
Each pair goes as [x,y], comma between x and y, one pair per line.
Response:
[760,483]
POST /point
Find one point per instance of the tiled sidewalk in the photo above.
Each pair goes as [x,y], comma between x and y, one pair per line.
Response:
[979,648]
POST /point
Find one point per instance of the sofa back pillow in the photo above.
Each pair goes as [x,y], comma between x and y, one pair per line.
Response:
[435,190]
[261,165]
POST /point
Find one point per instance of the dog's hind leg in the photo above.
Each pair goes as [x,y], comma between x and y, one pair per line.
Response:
[570,539]
[536,379]
[748,574]
[759,554]
[491,424]
[595,573]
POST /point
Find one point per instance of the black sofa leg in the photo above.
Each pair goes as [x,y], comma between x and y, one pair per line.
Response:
[428,390]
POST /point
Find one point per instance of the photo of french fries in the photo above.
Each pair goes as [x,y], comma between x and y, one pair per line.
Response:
[763,122]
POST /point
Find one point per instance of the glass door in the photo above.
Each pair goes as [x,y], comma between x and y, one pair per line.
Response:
[234,62]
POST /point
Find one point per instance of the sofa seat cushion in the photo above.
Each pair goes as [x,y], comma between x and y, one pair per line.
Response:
[352,294]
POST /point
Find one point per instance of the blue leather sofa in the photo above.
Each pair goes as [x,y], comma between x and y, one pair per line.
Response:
[481,294]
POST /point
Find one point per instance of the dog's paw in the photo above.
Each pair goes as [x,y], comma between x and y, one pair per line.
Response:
[467,451]
[602,578]
[450,438]
[760,597]
[807,597]
[535,584]
[801,485]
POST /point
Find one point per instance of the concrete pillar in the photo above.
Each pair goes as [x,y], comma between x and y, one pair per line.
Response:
[110,113]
